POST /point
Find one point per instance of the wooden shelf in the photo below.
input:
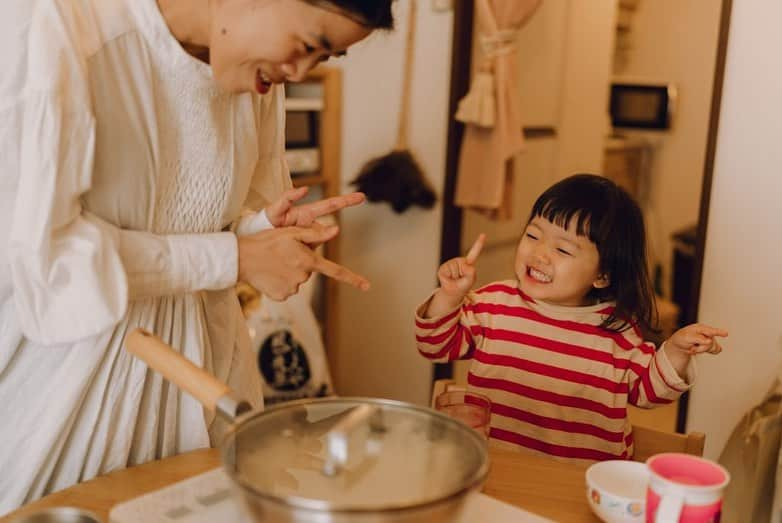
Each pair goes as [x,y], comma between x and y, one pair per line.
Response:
[327,177]
[303,104]
[300,180]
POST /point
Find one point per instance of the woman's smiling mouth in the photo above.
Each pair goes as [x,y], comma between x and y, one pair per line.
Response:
[262,83]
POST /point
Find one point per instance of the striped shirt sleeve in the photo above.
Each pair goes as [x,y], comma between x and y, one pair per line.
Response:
[652,379]
[449,337]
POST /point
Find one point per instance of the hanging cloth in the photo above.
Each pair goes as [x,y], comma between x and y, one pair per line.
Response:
[490,111]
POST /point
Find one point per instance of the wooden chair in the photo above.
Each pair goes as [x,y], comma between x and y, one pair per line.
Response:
[648,442]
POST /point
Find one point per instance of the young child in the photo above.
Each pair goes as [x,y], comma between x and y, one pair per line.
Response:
[558,350]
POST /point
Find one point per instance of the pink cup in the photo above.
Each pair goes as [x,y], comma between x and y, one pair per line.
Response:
[684,489]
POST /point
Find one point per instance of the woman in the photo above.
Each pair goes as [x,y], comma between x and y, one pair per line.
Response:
[133,133]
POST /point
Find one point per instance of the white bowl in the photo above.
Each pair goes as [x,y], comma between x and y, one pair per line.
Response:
[616,490]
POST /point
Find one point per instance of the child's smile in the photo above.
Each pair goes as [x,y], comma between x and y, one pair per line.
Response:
[538,276]
[557,265]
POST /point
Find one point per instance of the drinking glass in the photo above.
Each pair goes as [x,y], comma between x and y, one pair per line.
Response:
[468,407]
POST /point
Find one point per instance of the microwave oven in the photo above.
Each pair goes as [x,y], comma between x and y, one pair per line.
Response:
[636,105]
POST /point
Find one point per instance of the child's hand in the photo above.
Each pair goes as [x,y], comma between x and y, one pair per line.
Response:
[457,275]
[283,213]
[697,338]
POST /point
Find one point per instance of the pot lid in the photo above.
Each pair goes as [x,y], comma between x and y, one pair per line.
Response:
[395,455]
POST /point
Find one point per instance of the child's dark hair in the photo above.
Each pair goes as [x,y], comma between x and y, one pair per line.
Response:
[607,215]
[373,14]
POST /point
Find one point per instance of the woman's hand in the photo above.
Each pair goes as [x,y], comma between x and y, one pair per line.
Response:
[457,276]
[283,213]
[278,261]
[692,339]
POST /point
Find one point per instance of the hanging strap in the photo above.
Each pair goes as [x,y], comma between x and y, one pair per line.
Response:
[407,77]
[479,105]
[500,42]
[486,17]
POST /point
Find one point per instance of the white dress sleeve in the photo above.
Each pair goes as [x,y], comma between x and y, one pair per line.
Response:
[67,275]
[161,265]
[73,273]
[252,223]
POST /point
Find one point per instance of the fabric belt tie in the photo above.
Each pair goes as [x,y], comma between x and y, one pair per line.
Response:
[479,106]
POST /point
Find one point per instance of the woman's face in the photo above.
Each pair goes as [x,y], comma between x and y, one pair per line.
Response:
[255,43]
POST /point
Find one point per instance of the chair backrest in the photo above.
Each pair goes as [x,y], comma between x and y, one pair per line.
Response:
[648,442]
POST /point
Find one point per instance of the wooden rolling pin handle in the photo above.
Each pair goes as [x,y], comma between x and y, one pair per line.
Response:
[177,369]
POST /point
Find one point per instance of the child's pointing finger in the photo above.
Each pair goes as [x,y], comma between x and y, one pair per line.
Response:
[475,250]
[711,332]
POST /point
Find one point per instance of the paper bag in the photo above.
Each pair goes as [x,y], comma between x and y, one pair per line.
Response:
[751,456]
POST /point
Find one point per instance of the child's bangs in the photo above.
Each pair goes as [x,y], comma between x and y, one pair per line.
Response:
[563,213]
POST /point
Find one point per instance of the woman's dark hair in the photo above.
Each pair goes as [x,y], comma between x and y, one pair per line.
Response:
[374,14]
[607,215]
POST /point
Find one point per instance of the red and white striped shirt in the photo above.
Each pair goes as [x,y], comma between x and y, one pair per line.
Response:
[559,384]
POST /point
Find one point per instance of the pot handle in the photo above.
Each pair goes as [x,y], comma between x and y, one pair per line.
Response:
[212,393]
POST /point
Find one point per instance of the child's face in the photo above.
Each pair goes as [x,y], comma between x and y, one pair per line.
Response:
[556,265]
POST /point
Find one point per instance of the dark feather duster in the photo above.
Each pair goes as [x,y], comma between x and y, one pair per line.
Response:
[397,179]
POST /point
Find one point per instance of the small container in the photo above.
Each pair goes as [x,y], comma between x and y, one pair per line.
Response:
[616,490]
[470,408]
[58,515]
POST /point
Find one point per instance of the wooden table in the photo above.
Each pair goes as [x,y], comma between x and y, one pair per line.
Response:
[541,485]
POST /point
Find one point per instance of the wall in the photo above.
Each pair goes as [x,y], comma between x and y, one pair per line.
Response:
[675,41]
[565,55]
[398,253]
[741,286]
[584,120]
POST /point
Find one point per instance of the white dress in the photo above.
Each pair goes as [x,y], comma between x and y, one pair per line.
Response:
[121,165]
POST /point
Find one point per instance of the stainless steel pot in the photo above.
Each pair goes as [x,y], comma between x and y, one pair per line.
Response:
[351,460]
